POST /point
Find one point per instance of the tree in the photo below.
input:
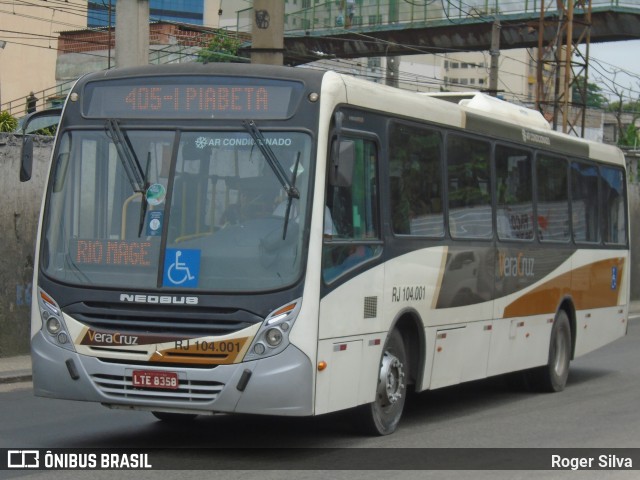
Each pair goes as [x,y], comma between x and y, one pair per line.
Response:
[630,136]
[594,97]
[221,48]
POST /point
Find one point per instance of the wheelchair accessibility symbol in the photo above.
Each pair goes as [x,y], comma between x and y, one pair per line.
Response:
[181,268]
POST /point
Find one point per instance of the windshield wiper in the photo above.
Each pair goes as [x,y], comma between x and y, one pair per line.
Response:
[290,199]
[127,156]
[131,165]
[289,186]
[271,158]
[143,201]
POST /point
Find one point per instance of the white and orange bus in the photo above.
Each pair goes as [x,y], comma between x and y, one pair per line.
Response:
[285,241]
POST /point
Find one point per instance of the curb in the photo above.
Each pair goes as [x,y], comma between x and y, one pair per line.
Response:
[15,377]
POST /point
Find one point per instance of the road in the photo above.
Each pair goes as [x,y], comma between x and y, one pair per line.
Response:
[599,409]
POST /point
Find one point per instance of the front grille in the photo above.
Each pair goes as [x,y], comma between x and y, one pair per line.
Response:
[145,363]
[162,319]
[121,387]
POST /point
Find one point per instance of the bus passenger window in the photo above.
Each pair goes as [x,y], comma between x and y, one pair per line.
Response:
[415,181]
[613,205]
[353,211]
[553,199]
[469,182]
[584,202]
[514,193]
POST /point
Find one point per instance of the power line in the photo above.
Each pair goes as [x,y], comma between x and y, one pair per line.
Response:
[75,8]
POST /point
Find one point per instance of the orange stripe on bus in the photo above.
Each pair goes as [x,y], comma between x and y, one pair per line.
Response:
[589,287]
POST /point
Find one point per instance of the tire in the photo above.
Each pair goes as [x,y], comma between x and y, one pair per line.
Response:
[174,417]
[553,376]
[381,417]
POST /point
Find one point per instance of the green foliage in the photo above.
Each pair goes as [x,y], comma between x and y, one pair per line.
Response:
[630,136]
[8,122]
[222,48]
[626,107]
[46,131]
[594,99]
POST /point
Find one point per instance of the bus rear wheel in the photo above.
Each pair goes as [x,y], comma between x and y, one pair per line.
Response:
[381,417]
[552,377]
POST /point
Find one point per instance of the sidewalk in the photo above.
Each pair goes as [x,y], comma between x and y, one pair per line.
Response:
[15,369]
[18,369]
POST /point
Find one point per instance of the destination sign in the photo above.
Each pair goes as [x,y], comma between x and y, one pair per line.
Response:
[191,98]
[114,252]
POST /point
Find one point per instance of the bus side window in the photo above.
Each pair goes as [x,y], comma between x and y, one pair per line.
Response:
[415,180]
[469,183]
[353,207]
[584,202]
[552,189]
[612,201]
[514,193]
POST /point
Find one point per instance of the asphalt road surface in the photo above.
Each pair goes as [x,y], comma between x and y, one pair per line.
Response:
[600,410]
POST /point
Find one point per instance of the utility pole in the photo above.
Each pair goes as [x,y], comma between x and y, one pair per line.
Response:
[566,67]
[267,44]
[132,33]
[393,62]
[393,71]
[495,57]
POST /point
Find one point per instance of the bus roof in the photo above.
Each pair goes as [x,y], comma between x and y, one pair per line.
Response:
[477,113]
[471,111]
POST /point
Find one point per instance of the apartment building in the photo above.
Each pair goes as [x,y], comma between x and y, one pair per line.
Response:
[28,47]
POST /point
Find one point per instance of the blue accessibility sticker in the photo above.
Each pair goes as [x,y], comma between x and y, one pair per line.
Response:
[614,278]
[181,267]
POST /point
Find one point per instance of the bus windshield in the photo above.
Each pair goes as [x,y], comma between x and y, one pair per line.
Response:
[163,209]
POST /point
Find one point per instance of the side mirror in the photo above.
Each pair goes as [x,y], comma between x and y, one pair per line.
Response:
[26,155]
[344,156]
[44,120]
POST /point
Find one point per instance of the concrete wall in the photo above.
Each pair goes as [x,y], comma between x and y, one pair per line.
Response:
[19,211]
[20,207]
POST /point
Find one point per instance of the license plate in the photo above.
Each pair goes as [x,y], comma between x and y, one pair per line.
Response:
[155,379]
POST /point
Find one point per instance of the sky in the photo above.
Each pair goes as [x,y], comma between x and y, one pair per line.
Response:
[622,57]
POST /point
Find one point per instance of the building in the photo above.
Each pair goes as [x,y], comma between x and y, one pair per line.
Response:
[28,33]
[470,71]
[87,48]
[101,13]
[84,51]
[29,55]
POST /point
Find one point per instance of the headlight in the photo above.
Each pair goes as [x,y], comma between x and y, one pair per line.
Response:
[273,336]
[54,326]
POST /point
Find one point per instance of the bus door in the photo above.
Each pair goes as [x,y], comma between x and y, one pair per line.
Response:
[350,313]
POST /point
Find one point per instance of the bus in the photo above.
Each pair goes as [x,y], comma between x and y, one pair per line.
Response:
[229,238]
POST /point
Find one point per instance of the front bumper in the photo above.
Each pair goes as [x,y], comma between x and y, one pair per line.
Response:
[278,385]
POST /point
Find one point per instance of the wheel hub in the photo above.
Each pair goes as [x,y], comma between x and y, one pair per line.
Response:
[391,385]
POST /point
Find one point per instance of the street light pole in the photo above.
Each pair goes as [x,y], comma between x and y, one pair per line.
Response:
[2,45]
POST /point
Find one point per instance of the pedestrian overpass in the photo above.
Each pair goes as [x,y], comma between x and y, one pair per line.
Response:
[366,28]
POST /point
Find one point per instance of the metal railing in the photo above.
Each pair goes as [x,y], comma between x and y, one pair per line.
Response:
[50,97]
[364,15]
[380,14]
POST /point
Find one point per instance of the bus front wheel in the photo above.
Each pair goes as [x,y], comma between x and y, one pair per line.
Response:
[381,417]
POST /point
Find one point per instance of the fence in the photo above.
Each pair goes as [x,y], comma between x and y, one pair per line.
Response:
[376,14]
